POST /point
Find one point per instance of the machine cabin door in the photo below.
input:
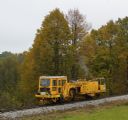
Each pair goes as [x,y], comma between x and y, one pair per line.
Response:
[57,85]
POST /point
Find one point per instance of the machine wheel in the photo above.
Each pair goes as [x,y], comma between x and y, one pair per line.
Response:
[61,100]
[54,100]
[97,95]
[43,102]
[88,97]
[72,94]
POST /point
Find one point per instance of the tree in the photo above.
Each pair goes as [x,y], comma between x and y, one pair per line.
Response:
[49,53]
[9,78]
[78,27]
[56,33]
[122,50]
[9,71]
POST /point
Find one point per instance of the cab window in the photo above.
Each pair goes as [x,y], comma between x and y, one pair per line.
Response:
[45,82]
[59,83]
[54,83]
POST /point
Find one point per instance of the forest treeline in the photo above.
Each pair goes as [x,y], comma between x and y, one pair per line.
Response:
[65,45]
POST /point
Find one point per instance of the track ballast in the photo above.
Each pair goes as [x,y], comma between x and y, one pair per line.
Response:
[62,107]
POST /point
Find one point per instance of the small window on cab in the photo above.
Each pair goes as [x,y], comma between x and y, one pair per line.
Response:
[59,82]
[54,82]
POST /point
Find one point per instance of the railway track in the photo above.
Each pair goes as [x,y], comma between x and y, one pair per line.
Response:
[59,107]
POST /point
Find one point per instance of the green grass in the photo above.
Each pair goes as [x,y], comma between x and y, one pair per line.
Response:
[116,113]
[119,112]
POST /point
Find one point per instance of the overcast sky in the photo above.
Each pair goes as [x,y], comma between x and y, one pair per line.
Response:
[19,19]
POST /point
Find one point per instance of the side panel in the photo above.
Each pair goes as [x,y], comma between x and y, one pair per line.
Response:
[89,88]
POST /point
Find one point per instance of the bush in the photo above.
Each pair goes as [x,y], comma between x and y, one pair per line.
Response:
[8,101]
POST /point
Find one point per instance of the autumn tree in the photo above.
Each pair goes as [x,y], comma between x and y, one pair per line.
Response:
[79,28]
[56,33]
[49,53]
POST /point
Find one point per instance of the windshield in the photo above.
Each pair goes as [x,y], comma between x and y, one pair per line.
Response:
[45,82]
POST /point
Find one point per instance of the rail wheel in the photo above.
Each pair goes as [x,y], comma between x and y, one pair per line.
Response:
[97,95]
[54,100]
[44,102]
[61,100]
[88,97]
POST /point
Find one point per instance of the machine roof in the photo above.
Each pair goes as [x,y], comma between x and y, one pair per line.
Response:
[48,77]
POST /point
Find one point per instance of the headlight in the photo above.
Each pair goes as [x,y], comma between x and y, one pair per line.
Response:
[43,93]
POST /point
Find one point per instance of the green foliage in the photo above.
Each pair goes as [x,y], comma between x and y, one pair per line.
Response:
[9,101]
[9,77]
[9,73]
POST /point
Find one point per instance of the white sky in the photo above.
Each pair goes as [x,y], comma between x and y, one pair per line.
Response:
[19,19]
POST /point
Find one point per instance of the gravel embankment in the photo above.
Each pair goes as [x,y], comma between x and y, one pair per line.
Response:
[28,112]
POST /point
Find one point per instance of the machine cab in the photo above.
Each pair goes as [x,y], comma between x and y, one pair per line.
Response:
[102,84]
[51,85]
